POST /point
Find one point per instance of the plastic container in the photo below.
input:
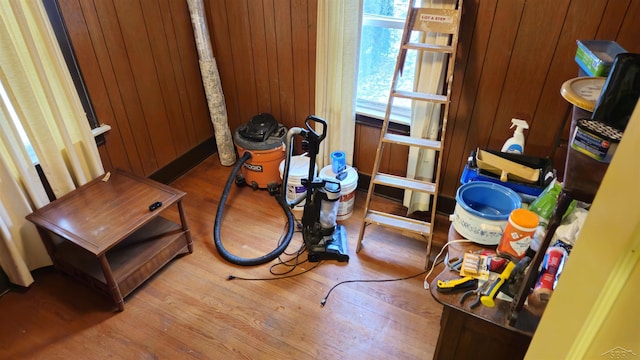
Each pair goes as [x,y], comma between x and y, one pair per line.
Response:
[338,161]
[298,170]
[545,203]
[518,234]
[482,209]
[348,186]
[595,57]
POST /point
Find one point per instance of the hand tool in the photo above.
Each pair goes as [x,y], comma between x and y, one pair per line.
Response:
[477,292]
[445,286]
[454,264]
[488,299]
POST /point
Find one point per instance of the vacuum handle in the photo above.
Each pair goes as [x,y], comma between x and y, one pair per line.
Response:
[311,129]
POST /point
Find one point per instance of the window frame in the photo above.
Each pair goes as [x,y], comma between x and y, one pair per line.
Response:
[60,30]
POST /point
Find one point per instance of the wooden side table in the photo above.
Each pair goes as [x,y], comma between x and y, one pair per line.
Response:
[106,233]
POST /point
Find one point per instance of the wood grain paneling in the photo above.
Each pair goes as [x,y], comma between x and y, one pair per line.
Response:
[265,51]
[140,65]
[139,62]
[513,57]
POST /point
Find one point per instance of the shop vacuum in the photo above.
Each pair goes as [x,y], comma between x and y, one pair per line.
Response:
[264,144]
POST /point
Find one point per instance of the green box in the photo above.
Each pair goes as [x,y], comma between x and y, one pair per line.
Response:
[596,57]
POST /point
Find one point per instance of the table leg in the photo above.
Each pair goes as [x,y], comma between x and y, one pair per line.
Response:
[45,236]
[111,282]
[185,227]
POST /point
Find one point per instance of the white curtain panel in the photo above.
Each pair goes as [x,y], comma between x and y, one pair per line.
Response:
[337,49]
[41,96]
[425,117]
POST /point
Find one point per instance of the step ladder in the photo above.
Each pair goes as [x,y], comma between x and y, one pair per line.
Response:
[445,22]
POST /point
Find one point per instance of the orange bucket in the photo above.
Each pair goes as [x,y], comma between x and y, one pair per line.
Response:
[262,168]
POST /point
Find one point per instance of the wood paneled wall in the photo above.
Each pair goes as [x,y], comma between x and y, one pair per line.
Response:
[513,57]
[140,66]
[265,51]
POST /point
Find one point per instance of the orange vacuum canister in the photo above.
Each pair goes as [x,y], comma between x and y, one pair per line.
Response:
[264,138]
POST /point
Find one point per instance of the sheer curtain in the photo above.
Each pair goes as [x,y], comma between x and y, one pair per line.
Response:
[425,117]
[337,49]
[39,95]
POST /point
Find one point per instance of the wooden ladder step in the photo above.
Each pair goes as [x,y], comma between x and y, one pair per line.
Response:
[412,141]
[398,222]
[404,183]
[428,47]
[440,99]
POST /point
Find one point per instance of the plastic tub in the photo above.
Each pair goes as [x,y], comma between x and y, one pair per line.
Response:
[348,187]
[298,170]
[482,210]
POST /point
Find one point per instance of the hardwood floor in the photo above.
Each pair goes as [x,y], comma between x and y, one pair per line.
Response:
[190,310]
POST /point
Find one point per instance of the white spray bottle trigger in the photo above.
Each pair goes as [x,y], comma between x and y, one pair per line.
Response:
[515,144]
[520,125]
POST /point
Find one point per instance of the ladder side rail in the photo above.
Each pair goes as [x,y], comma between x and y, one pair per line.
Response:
[385,124]
[445,118]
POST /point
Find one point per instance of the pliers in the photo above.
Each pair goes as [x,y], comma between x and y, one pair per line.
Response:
[478,292]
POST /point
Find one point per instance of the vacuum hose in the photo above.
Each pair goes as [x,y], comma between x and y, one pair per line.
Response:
[218,222]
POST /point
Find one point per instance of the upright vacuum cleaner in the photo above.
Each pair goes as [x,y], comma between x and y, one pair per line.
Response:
[261,144]
[323,237]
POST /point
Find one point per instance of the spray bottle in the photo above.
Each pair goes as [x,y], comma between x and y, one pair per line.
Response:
[515,144]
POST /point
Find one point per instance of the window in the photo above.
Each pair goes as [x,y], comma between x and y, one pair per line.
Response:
[382,26]
[14,117]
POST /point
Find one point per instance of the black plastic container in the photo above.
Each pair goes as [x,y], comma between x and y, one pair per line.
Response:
[620,92]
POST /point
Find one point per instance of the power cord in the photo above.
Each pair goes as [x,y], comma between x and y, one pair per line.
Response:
[435,261]
[233,277]
[292,263]
[324,300]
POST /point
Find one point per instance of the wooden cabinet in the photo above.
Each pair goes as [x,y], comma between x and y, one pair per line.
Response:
[480,333]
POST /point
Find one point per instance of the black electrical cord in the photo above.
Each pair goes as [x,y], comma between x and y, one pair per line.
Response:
[282,246]
[292,263]
[233,277]
[324,300]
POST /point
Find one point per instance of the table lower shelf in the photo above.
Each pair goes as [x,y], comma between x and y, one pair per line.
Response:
[132,261]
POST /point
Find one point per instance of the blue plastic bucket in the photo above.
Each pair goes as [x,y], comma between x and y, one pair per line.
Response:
[488,200]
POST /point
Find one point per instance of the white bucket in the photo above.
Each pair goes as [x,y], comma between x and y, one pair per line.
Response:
[298,170]
[348,186]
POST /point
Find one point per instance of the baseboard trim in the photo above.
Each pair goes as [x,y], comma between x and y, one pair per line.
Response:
[186,162]
[445,204]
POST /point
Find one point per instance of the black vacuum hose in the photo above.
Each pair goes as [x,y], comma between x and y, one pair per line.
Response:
[218,222]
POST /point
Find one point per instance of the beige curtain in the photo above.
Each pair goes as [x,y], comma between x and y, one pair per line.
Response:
[425,117]
[337,49]
[40,95]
